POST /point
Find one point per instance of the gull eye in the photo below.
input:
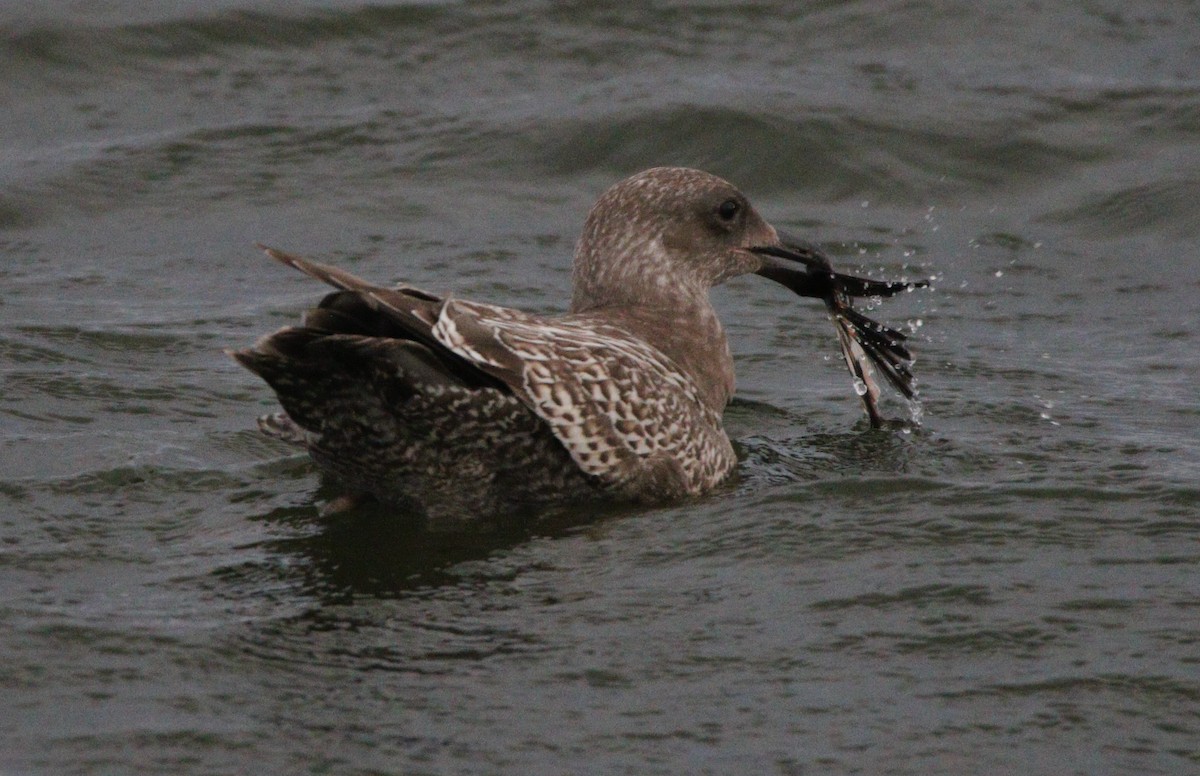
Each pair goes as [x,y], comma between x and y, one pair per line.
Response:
[728,210]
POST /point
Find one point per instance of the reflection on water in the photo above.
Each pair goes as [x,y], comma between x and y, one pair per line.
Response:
[373,551]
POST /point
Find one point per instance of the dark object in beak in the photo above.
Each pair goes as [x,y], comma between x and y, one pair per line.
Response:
[860,337]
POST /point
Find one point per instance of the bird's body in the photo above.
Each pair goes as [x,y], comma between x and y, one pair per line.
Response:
[459,408]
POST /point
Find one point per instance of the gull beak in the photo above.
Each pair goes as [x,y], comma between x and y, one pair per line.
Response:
[807,271]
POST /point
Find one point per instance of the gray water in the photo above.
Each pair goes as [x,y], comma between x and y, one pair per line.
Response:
[1011,588]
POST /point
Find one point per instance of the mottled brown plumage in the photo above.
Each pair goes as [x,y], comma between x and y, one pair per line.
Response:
[459,408]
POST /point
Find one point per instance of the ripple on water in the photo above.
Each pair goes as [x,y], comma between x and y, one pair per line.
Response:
[1162,206]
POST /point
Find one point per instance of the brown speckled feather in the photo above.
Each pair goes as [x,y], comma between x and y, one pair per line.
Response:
[459,408]
[624,412]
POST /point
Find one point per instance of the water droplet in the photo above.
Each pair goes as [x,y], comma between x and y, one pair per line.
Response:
[999,273]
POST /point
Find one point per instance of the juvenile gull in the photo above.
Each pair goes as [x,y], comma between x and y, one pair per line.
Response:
[457,408]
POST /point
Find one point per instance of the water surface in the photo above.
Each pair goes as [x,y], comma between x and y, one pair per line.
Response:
[1010,588]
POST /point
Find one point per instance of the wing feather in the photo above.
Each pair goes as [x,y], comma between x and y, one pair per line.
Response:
[624,412]
[620,407]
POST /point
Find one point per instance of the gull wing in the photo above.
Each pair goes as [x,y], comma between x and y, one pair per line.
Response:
[623,411]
